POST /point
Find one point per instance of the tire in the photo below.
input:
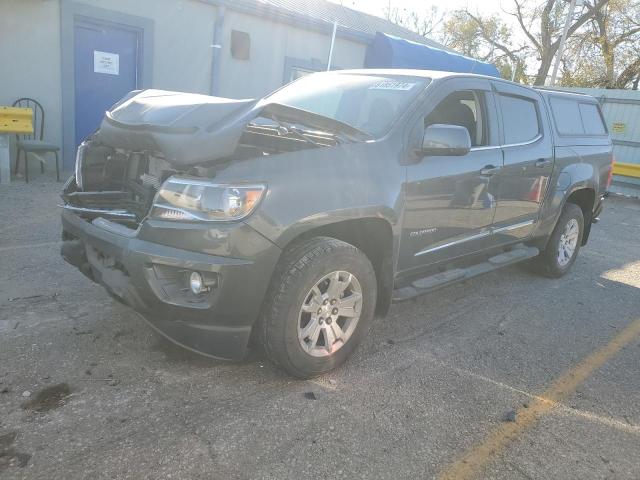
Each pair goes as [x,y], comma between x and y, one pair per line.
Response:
[549,262]
[297,285]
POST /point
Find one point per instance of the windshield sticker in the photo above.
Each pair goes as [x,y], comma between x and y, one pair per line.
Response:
[391,85]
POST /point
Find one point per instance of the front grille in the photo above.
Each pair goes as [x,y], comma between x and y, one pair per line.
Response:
[126,207]
[117,185]
[115,201]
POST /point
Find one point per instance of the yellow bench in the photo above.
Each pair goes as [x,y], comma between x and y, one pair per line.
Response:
[16,120]
[13,120]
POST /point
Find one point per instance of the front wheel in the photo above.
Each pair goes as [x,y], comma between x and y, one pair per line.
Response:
[564,243]
[319,307]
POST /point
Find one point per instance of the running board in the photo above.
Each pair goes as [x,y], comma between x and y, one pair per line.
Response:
[442,279]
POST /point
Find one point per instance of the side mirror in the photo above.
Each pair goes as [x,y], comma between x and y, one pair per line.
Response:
[446,140]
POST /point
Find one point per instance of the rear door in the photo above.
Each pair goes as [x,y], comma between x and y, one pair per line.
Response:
[527,151]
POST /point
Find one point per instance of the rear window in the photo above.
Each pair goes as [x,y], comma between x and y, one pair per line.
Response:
[520,119]
[577,118]
[591,119]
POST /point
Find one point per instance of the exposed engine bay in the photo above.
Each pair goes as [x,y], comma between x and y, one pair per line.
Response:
[121,167]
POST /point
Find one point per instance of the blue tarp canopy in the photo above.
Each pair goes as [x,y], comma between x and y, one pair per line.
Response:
[388,51]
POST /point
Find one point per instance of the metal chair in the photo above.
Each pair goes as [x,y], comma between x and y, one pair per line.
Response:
[33,143]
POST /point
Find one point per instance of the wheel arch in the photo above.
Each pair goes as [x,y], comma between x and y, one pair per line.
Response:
[585,198]
[374,236]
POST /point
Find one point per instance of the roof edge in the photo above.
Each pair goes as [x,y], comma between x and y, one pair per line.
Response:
[291,18]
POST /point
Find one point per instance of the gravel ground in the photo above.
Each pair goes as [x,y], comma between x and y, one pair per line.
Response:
[89,391]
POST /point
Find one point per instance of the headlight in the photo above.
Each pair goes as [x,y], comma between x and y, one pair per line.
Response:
[79,157]
[198,200]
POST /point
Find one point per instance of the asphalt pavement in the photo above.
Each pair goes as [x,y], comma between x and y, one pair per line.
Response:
[506,376]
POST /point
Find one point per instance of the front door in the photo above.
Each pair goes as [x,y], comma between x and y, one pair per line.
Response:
[528,162]
[106,68]
[450,200]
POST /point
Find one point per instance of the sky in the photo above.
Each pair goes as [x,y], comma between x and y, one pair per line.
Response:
[379,7]
[483,7]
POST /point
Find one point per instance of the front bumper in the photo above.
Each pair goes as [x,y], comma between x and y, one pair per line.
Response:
[147,270]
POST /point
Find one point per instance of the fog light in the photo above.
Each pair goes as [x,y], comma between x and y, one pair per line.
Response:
[196,283]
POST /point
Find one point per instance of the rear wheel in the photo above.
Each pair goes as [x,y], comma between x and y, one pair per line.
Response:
[564,243]
[320,305]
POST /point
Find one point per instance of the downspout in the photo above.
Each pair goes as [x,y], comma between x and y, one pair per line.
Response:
[216,53]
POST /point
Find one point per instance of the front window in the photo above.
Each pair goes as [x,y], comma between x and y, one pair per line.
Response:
[367,102]
[465,108]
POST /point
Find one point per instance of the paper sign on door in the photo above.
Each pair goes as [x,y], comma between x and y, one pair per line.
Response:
[105,62]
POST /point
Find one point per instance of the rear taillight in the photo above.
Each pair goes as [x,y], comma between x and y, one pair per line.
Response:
[610,176]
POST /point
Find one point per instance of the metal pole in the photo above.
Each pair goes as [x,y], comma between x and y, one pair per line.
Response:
[565,30]
[216,51]
[5,160]
[333,41]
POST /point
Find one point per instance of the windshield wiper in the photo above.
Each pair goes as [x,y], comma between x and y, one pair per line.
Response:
[301,133]
[285,128]
[278,111]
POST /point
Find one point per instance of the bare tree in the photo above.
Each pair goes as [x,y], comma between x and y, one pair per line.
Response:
[606,53]
[542,26]
[541,22]
[616,26]
[425,24]
[603,41]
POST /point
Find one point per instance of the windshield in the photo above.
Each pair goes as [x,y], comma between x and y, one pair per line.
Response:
[367,102]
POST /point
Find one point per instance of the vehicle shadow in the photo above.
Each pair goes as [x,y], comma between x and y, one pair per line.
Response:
[176,354]
[600,293]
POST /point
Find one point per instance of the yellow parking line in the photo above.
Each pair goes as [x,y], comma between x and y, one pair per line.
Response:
[473,462]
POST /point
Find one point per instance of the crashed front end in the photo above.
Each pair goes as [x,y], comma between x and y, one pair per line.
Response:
[154,161]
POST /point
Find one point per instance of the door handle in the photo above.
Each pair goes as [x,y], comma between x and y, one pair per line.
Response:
[489,170]
[543,162]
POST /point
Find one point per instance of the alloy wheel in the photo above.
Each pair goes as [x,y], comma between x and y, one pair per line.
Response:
[568,242]
[330,313]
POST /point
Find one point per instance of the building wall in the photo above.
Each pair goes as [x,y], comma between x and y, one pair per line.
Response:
[271,44]
[30,51]
[183,34]
[30,58]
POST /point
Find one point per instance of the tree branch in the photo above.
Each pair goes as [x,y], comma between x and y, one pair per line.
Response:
[485,35]
[592,10]
[520,17]
[628,74]
[625,36]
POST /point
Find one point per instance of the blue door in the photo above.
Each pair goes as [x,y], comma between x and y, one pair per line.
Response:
[107,62]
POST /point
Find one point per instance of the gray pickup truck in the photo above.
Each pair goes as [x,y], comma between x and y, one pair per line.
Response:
[295,219]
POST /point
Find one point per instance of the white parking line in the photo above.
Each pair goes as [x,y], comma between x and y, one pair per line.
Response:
[610,422]
[31,245]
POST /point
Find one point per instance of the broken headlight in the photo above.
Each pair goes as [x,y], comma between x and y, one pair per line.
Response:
[187,199]
[79,161]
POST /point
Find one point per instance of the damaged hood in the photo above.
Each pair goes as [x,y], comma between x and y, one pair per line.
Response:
[190,129]
[186,128]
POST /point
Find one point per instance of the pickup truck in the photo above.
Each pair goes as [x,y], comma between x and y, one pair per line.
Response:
[296,219]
